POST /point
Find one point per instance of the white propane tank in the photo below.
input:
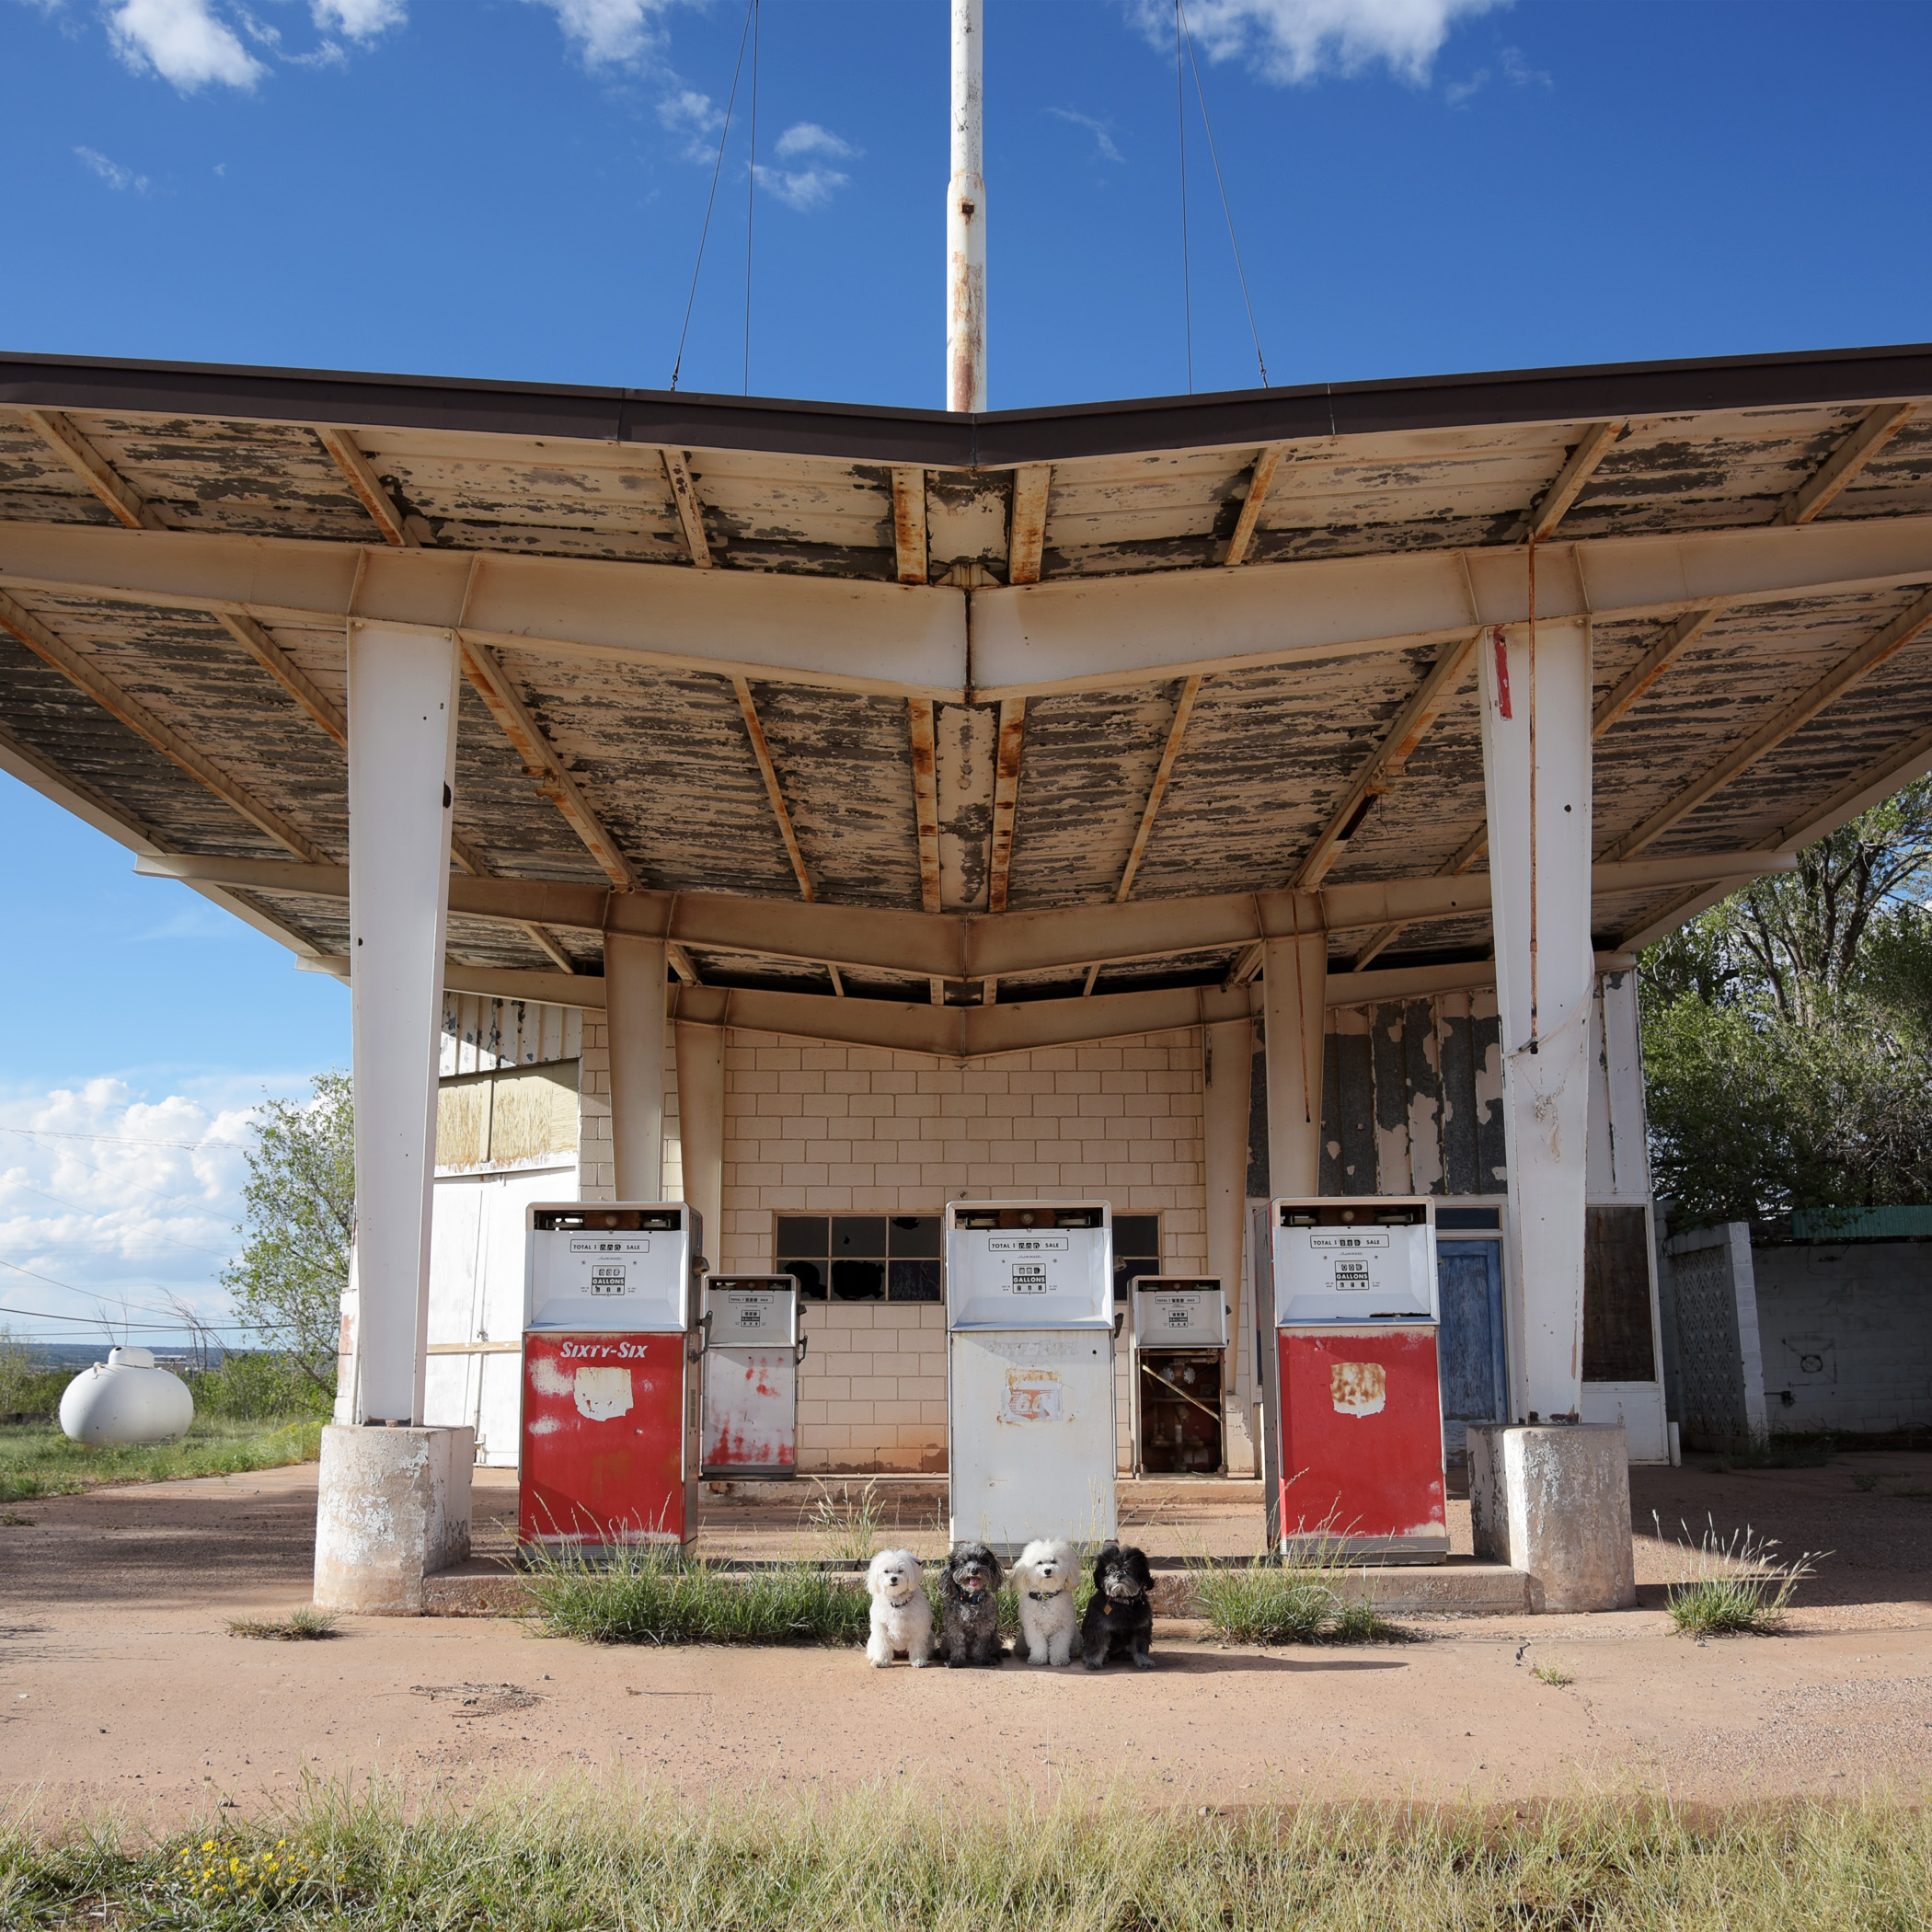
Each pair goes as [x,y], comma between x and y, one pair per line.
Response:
[126,1400]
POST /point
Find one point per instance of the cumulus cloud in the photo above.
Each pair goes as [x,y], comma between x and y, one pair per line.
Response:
[358,19]
[183,41]
[608,33]
[1516,73]
[1297,40]
[1104,149]
[808,138]
[111,172]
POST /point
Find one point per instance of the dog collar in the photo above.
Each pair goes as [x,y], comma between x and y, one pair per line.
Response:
[1045,1596]
[966,1597]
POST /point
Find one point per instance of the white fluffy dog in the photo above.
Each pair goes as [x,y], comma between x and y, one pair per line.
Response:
[1043,1581]
[901,1617]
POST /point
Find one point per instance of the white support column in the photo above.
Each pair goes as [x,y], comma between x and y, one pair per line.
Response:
[1229,1057]
[402,760]
[701,1127]
[1294,984]
[1623,1076]
[1539,892]
[634,1009]
[966,218]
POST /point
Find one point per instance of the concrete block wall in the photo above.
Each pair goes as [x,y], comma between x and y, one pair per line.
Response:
[812,1129]
[597,1173]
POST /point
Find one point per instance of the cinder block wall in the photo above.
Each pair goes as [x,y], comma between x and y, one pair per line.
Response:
[597,1174]
[1845,1329]
[843,1130]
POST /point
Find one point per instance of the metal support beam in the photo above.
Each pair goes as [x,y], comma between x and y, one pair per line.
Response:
[542,763]
[1266,461]
[128,505]
[1026,525]
[1860,663]
[966,216]
[368,487]
[87,676]
[1177,732]
[1677,639]
[925,798]
[772,791]
[909,525]
[402,767]
[690,512]
[1006,800]
[1597,443]
[1384,763]
[1294,988]
[634,1011]
[1869,436]
[286,672]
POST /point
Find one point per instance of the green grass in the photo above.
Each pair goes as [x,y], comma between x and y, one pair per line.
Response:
[1553,1675]
[36,1459]
[1738,1587]
[1776,1451]
[561,1856]
[305,1624]
[1288,1602]
[648,1594]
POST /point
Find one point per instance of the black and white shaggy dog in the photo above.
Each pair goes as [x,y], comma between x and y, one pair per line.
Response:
[1120,1614]
[968,1616]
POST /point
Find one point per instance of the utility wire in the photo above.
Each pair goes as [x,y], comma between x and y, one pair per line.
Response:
[751,195]
[119,1140]
[1213,155]
[718,167]
[1180,108]
[86,1214]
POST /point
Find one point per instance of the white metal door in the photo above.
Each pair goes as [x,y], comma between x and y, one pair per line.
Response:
[1031,1427]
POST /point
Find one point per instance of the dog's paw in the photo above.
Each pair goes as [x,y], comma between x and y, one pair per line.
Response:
[1144,1662]
[918,1664]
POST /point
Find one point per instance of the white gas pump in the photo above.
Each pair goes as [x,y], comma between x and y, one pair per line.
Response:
[1029,1371]
[1180,1356]
[751,1352]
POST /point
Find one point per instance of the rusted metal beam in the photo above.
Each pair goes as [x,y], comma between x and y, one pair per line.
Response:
[1183,710]
[1006,800]
[925,798]
[368,486]
[541,761]
[1550,508]
[1025,524]
[129,506]
[1383,765]
[1471,849]
[1677,639]
[772,791]
[1871,435]
[909,525]
[286,672]
[1260,477]
[1887,643]
[690,512]
[87,676]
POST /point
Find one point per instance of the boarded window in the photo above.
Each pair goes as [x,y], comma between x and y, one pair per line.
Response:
[512,1114]
[1616,1297]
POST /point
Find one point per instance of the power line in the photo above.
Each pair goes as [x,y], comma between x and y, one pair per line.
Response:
[751,192]
[1187,288]
[121,1140]
[718,167]
[73,1207]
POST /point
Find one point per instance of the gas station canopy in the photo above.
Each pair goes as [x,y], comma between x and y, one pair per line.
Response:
[967,732]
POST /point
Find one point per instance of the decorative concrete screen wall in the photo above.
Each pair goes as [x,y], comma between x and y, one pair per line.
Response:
[1720,1372]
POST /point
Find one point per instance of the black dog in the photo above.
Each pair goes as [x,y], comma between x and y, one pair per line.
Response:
[1120,1614]
[969,1622]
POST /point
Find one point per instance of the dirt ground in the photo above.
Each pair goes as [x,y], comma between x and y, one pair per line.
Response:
[119,1685]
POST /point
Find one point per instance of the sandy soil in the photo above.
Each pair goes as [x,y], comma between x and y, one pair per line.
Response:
[119,1682]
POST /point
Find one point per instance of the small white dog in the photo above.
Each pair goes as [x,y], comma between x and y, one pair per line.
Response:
[1043,1581]
[901,1617]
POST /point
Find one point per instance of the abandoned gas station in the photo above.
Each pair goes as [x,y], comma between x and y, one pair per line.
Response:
[820,815]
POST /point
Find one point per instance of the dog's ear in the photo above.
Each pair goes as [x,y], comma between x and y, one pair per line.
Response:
[1142,1574]
[993,1566]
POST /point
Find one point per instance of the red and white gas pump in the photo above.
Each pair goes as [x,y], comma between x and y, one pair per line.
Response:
[752,1353]
[1354,1445]
[610,1385]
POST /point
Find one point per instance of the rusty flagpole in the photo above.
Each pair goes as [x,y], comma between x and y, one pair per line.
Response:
[966,219]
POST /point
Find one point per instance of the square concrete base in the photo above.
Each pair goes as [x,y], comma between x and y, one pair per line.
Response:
[392,1508]
[1554,1502]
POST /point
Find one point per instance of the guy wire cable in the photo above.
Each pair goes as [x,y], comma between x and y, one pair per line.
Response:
[1214,156]
[1187,291]
[717,166]
[751,192]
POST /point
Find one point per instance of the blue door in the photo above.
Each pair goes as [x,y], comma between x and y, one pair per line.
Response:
[1469,1343]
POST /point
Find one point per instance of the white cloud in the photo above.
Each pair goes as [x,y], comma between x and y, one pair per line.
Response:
[1104,149]
[1297,40]
[608,33]
[360,20]
[1516,70]
[803,188]
[808,138]
[111,172]
[696,119]
[183,43]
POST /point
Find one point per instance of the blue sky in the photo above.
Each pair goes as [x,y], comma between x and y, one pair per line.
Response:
[515,189]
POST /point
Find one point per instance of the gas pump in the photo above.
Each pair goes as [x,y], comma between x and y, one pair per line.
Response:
[1179,1352]
[1356,1437]
[610,1394]
[751,1351]
[1029,1371]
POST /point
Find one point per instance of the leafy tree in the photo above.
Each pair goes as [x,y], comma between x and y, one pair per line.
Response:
[299,1208]
[1788,1032]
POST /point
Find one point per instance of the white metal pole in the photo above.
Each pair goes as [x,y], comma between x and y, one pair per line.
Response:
[634,994]
[1295,989]
[402,756]
[966,220]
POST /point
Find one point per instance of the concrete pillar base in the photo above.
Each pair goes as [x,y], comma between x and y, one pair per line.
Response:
[393,1508]
[1556,1503]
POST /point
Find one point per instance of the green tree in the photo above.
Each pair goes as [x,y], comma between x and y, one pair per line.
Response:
[299,1210]
[1787,1031]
